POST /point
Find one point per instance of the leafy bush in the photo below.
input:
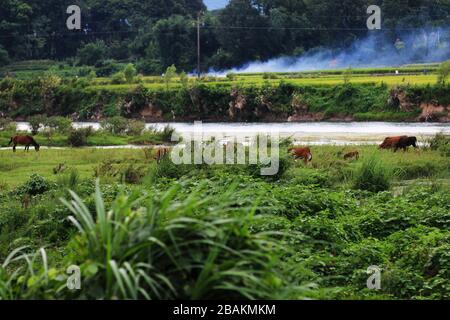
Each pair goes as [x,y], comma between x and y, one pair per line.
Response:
[91,53]
[129,72]
[167,133]
[115,125]
[133,174]
[443,72]
[118,78]
[59,124]
[70,180]
[373,175]
[135,127]
[7,125]
[36,122]
[78,137]
[441,143]
[35,185]
[106,68]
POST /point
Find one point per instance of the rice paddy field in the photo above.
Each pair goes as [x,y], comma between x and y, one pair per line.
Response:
[274,79]
[420,74]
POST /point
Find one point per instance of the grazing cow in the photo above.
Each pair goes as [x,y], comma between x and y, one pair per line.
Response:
[352,155]
[161,152]
[406,142]
[401,142]
[391,142]
[26,141]
[301,153]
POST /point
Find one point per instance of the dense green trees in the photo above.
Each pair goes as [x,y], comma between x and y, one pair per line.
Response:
[156,34]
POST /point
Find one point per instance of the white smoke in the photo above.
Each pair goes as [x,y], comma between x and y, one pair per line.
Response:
[372,51]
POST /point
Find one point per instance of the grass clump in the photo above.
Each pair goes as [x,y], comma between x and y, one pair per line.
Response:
[162,247]
[373,175]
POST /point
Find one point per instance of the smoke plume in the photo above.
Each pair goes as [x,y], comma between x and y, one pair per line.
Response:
[373,51]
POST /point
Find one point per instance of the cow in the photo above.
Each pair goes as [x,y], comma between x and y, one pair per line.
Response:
[352,155]
[301,153]
[391,142]
[406,142]
[400,142]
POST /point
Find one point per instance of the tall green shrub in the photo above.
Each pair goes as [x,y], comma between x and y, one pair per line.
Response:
[373,175]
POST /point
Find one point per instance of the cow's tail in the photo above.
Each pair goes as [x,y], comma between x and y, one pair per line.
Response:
[10,141]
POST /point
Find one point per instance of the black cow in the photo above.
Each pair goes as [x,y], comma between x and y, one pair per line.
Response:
[405,142]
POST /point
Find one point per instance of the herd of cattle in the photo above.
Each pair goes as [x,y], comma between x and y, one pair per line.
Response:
[395,143]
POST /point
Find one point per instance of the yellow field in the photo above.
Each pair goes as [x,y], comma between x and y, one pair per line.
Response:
[256,80]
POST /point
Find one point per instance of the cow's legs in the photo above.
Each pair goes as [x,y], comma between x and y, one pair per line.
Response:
[14,148]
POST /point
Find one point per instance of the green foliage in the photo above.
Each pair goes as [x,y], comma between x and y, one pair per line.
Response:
[58,124]
[167,133]
[170,73]
[129,72]
[205,250]
[92,53]
[441,143]
[114,125]
[373,175]
[7,125]
[78,137]
[119,78]
[443,72]
[4,57]
[220,232]
[135,127]
[34,186]
[348,75]
[36,122]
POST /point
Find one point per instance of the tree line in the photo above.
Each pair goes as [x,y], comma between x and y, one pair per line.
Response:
[156,34]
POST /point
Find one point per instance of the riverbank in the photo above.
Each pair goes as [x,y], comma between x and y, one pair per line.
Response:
[226,102]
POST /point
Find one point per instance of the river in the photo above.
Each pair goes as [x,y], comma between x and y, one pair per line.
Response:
[313,133]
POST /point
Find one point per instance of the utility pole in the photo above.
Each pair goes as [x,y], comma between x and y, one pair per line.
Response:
[198,44]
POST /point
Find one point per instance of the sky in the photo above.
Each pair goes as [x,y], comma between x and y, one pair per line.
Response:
[215,4]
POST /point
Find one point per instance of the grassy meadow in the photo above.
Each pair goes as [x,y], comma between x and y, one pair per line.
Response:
[161,231]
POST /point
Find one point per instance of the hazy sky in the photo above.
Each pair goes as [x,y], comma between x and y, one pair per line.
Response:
[215,4]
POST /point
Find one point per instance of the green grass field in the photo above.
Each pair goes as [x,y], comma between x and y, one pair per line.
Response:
[310,233]
[15,168]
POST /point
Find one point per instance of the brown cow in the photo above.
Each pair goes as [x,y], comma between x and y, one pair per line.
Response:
[351,155]
[301,153]
[401,142]
[391,142]
[26,141]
